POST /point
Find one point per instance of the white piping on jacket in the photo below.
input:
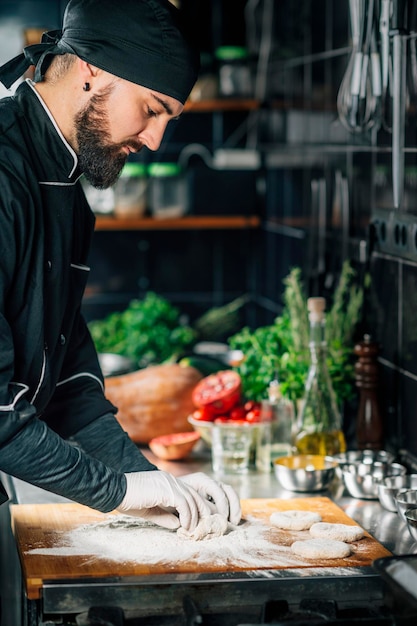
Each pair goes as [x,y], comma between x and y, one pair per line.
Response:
[42,376]
[25,388]
[10,407]
[80,375]
[64,141]
[77,266]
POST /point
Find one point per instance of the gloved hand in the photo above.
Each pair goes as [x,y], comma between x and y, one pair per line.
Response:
[162,499]
[220,497]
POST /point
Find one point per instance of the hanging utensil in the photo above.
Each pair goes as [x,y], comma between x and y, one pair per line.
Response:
[412,50]
[359,96]
[316,253]
[399,93]
[386,68]
[348,94]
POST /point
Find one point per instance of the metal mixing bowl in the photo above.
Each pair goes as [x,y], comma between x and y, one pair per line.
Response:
[389,487]
[406,499]
[305,472]
[411,519]
[363,456]
[361,479]
[115,364]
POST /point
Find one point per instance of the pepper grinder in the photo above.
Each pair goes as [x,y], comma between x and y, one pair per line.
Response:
[369,429]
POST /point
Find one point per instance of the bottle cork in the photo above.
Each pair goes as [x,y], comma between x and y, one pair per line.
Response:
[316,308]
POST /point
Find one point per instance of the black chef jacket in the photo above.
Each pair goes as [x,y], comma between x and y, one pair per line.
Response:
[49,369]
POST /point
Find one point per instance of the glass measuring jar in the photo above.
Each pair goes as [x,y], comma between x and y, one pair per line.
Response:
[167,190]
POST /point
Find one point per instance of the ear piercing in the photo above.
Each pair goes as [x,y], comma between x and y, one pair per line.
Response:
[86,87]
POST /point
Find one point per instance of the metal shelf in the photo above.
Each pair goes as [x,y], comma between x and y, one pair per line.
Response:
[188,222]
[221,105]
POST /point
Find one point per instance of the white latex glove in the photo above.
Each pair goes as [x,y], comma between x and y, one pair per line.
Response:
[220,497]
[160,498]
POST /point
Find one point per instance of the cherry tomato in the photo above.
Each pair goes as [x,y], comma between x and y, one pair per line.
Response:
[237,413]
[227,420]
[253,416]
[222,419]
[203,415]
[251,404]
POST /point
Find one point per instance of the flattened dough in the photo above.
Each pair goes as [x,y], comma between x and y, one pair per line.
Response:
[321,549]
[207,528]
[294,520]
[339,532]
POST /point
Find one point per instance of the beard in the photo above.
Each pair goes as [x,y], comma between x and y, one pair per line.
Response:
[100,161]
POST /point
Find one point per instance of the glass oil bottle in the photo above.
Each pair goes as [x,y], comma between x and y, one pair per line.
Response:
[319,422]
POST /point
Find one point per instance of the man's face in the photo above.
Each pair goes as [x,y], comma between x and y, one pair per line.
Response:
[103,128]
[99,159]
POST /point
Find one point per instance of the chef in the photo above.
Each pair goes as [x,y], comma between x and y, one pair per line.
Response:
[104,87]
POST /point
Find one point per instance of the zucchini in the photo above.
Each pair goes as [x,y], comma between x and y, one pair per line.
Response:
[206,365]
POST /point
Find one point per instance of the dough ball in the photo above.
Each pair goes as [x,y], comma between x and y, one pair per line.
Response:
[207,528]
[321,549]
[294,520]
[339,532]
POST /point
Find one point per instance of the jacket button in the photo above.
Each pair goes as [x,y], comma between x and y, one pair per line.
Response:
[62,340]
[48,266]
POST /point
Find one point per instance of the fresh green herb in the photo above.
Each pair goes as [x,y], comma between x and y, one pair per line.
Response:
[149,331]
[281,349]
[219,322]
[295,302]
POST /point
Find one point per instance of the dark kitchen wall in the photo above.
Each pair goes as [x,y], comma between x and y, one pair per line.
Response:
[329,193]
[323,192]
[17,16]
[200,265]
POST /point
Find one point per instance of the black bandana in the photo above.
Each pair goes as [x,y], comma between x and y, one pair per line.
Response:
[141,41]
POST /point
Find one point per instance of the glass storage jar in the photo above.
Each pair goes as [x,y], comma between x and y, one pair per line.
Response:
[234,71]
[101,201]
[130,191]
[167,190]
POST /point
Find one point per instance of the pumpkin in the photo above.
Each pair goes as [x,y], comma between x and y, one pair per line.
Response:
[153,401]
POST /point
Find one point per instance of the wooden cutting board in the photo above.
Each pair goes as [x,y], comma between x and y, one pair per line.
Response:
[48,551]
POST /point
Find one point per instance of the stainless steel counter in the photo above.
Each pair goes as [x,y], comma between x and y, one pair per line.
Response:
[386,527]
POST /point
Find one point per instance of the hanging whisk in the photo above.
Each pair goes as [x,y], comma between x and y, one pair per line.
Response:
[359,96]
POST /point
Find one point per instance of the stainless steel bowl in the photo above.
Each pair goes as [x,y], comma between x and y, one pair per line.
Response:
[389,487]
[406,499]
[115,364]
[305,472]
[219,351]
[411,519]
[363,456]
[361,479]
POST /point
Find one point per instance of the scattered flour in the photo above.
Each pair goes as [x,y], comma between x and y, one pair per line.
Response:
[125,539]
[294,520]
[209,527]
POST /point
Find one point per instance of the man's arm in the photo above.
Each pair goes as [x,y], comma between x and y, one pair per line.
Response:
[39,456]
